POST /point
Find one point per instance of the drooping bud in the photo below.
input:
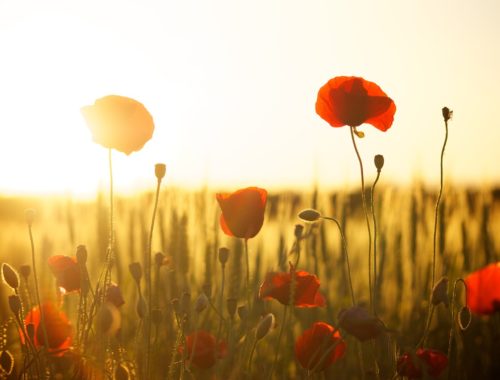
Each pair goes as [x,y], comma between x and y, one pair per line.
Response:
[264,326]
[440,292]
[309,215]
[160,170]
[232,304]
[81,254]
[29,215]
[136,271]
[447,113]
[15,305]
[464,318]
[10,276]
[201,303]
[6,362]
[25,271]
[298,231]
[223,255]
[379,162]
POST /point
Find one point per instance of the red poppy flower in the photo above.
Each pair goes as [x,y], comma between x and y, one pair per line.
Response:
[242,212]
[433,362]
[119,123]
[483,290]
[67,272]
[354,101]
[206,349]
[57,327]
[277,286]
[358,322]
[319,347]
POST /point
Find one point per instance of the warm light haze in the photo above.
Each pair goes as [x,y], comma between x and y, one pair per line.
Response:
[232,86]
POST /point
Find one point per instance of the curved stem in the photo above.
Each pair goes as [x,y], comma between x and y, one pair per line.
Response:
[363,199]
[374,244]
[251,357]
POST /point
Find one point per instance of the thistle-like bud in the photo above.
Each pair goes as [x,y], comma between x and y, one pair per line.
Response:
[122,372]
[25,271]
[136,271]
[10,276]
[81,254]
[160,170]
[447,113]
[440,292]
[29,215]
[379,162]
[298,231]
[264,326]
[15,305]
[232,304]
[6,362]
[223,255]
[201,303]
[309,215]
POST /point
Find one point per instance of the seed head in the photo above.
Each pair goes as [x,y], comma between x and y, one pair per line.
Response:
[264,326]
[223,255]
[464,318]
[6,362]
[160,170]
[447,113]
[10,276]
[379,162]
[309,215]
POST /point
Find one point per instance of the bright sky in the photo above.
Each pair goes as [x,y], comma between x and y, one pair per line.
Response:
[232,86]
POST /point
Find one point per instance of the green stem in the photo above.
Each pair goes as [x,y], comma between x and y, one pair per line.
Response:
[276,356]
[363,198]
[251,357]
[374,244]
[248,273]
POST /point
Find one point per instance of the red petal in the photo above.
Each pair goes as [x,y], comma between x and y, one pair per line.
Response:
[483,289]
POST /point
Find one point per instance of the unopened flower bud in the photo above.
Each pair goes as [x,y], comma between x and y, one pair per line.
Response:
[243,312]
[201,303]
[29,215]
[136,271]
[25,271]
[6,362]
[81,254]
[309,215]
[264,326]
[447,113]
[298,231]
[223,255]
[379,162]
[10,276]
[160,170]
[440,292]
[114,295]
[464,318]
[232,304]
[122,373]
[15,305]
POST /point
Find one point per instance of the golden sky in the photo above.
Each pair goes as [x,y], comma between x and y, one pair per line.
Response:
[232,86]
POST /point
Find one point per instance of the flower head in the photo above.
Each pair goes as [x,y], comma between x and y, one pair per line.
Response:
[66,271]
[319,347]
[242,212]
[203,350]
[354,101]
[277,285]
[483,290]
[119,123]
[358,322]
[413,365]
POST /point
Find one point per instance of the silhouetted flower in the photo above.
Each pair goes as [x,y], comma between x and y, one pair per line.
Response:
[57,327]
[354,101]
[424,360]
[319,347]
[358,322]
[119,123]
[114,295]
[277,285]
[483,290]
[66,271]
[203,350]
[242,212]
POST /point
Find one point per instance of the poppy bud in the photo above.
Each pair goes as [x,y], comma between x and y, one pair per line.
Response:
[309,215]
[440,292]
[159,259]
[447,113]
[25,271]
[223,255]
[201,303]
[108,319]
[141,307]
[114,295]
[232,304]
[156,316]
[6,362]
[299,229]
[10,276]
[379,162]
[15,305]
[81,254]
[464,318]
[360,134]
[29,215]
[136,271]
[264,326]
[160,170]
[122,373]
[185,303]
[243,312]
[358,322]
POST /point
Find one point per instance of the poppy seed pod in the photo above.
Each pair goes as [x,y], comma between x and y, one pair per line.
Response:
[309,215]
[264,326]
[201,303]
[6,362]
[136,271]
[29,215]
[81,254]
[379,162]
[447,113]
[15,305]
[160,170]
[25,271]
[223,255]
[10,276]
[440,292]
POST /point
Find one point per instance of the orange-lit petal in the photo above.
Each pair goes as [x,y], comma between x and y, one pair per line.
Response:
[66,270]
[483,290]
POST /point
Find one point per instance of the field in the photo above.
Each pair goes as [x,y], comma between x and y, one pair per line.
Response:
[188,235]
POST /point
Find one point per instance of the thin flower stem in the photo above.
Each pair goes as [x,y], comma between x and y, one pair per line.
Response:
[346,255]
[374,244]
[148,281]
[248,273]
[221,301]
[111,242]
[363,199]
[276,356]
[251,357]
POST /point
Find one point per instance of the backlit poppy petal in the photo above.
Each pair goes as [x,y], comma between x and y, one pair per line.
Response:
[354,101]
[483,290]
[203,350]
[66,271]
[319,347]
[242,212]
[432,362]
